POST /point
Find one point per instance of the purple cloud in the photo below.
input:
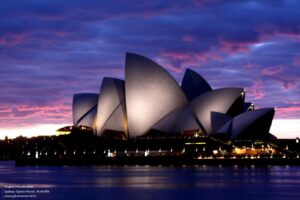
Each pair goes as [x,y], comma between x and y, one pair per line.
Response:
[52,49]
[271,71]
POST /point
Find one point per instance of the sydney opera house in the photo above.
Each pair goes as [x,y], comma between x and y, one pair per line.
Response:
[150,102]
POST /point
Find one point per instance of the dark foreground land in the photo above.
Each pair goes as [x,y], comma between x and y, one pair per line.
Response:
[83,148]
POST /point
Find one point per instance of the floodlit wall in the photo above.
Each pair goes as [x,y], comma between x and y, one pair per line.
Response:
[219,100]
[110,99]
[83,106]
[194,85]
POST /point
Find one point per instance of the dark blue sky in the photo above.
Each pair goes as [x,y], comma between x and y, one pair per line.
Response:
[50,50]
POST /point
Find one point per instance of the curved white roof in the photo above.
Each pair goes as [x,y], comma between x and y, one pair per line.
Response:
[89,119]
[186,121]
[193,84]
[117,120]
[177,121]
[110,98]
[167,123]
[252,118]
[150,98]
[151,93]
[83,108]
[218,120]
[219,100]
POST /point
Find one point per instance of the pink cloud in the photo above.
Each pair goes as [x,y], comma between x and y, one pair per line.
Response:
[177,55]
[188,39]
[166,63]
[187,59]
[289,111]
[2,41]
[270,71]
[4,109]
[204,2]
[287,82]
[289,85]
[23,113]
[268,31]
[257,89]
[293,36]
[26,115]
[49,17]
[234,47]
[250,65]
[276,73]
[296,61]
[61,33]
[192,58]
[14,39]
[292,102]
[5,114]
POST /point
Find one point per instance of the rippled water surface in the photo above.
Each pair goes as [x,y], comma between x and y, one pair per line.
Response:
[154,182]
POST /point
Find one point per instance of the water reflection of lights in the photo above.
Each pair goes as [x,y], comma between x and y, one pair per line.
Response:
[146,153]
[146,182]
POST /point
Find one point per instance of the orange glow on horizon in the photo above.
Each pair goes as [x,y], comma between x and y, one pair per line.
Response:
[281,128]
[286,128]
[33,131]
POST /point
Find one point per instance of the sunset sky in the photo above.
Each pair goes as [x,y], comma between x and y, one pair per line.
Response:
[50,50]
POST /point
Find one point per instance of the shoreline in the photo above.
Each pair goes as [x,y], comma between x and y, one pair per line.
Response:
[164,161]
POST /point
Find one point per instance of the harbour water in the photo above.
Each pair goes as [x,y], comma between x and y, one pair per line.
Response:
[149,182]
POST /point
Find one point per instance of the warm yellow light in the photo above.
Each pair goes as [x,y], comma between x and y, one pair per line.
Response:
[195,143]
[63,132]
[215,151]
[239,151]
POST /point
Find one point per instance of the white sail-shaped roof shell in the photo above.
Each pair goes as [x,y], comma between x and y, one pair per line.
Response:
[150,98]
[177,121]
[84,106]
[219,100]
[244,120]
[89,119]
[167,123]
[218,120]
[194,85]
[151,93]
[110,99]
[186,121]
[117,120]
